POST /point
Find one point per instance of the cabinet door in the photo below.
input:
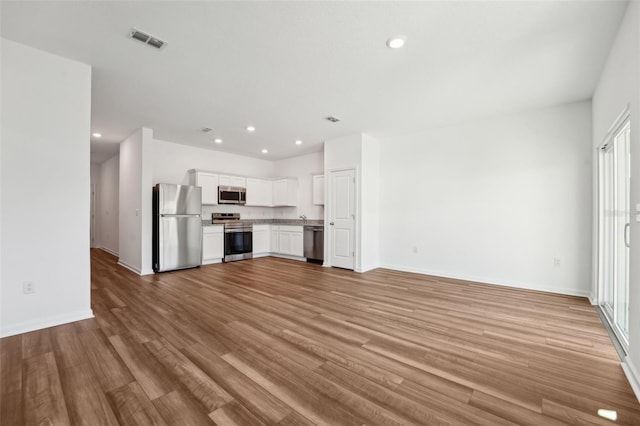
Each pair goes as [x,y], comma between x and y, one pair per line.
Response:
[261,239]
[284,241]
[318,190]
[238,181]
[297,245]
[212,246]
[259,192]
[267,193]
[226,180]
[209,184]
[275,240]
[254,197]
[280,192]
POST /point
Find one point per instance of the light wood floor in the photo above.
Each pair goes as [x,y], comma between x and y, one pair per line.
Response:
[272,341]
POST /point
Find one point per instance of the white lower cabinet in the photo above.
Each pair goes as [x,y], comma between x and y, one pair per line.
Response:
[261,239]
[275,238]
[212,244]
[290,240]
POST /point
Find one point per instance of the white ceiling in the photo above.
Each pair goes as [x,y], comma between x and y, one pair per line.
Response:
[284,66]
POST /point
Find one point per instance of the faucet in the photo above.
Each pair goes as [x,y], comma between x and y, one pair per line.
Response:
[303,217]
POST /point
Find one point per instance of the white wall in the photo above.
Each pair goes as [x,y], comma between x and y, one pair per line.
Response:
[619,87]
[46,104]
[493,201]
[135,199]
[107,210]
[302,168]
[370,204]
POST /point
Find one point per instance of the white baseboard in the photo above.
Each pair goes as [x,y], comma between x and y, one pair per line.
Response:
[484,280]
[211,262]
[115,253]
[40,323]
[366,268]
[129,267]
[592,300]
[632,375]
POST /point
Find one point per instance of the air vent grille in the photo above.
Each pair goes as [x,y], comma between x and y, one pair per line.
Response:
[207,129]
[332,119]
[147,39]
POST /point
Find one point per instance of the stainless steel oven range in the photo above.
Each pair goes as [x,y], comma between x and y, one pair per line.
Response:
[238,236]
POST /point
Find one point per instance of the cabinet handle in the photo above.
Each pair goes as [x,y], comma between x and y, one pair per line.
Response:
[626,240]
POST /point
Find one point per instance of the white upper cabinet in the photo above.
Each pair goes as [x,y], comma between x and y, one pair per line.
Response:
[259,192]
[318,190]
[233,181]
[209,184]
[285,192]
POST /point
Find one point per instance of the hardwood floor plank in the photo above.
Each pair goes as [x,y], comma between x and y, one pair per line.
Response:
[426,411]
[87,404]
[200,385]
[133,407]
[234,414]
[317,408]
[148,372]
[255,398]
[512,412]
[178,409]
[43,399]
[36,343]
[67,348]
[109,368]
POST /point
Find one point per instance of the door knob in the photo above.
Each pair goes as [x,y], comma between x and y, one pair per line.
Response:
[331,223]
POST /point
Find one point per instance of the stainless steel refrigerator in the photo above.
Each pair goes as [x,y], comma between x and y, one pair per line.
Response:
[177,227]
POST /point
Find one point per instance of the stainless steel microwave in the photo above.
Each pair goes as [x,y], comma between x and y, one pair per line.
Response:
[232,195]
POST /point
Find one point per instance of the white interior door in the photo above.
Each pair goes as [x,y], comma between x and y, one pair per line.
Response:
[342,219]
[615,214]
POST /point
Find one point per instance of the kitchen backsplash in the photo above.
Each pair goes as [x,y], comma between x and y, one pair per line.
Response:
[260,212]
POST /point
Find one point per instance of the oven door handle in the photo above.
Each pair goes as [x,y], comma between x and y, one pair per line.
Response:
[229,231]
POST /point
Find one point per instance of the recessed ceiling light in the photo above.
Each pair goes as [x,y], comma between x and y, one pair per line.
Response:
[217,140]
[396,42]
[298,142]
[96,135]
[265,151]
[251,129]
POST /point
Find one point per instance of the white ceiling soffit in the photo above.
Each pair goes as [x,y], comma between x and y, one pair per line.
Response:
[286,66]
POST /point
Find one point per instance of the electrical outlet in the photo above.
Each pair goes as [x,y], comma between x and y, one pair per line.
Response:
[556,261]
[28,287]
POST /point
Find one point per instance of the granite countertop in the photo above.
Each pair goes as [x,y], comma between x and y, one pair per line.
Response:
[298,222]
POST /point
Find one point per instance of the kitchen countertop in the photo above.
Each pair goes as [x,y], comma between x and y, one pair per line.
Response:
[298,222]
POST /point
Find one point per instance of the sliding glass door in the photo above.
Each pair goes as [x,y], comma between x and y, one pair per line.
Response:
[614,214]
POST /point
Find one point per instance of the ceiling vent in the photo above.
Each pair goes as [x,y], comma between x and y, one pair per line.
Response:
[206,129]
[147,39]
[332,119]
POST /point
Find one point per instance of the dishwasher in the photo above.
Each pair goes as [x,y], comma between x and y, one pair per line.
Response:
[314,243]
